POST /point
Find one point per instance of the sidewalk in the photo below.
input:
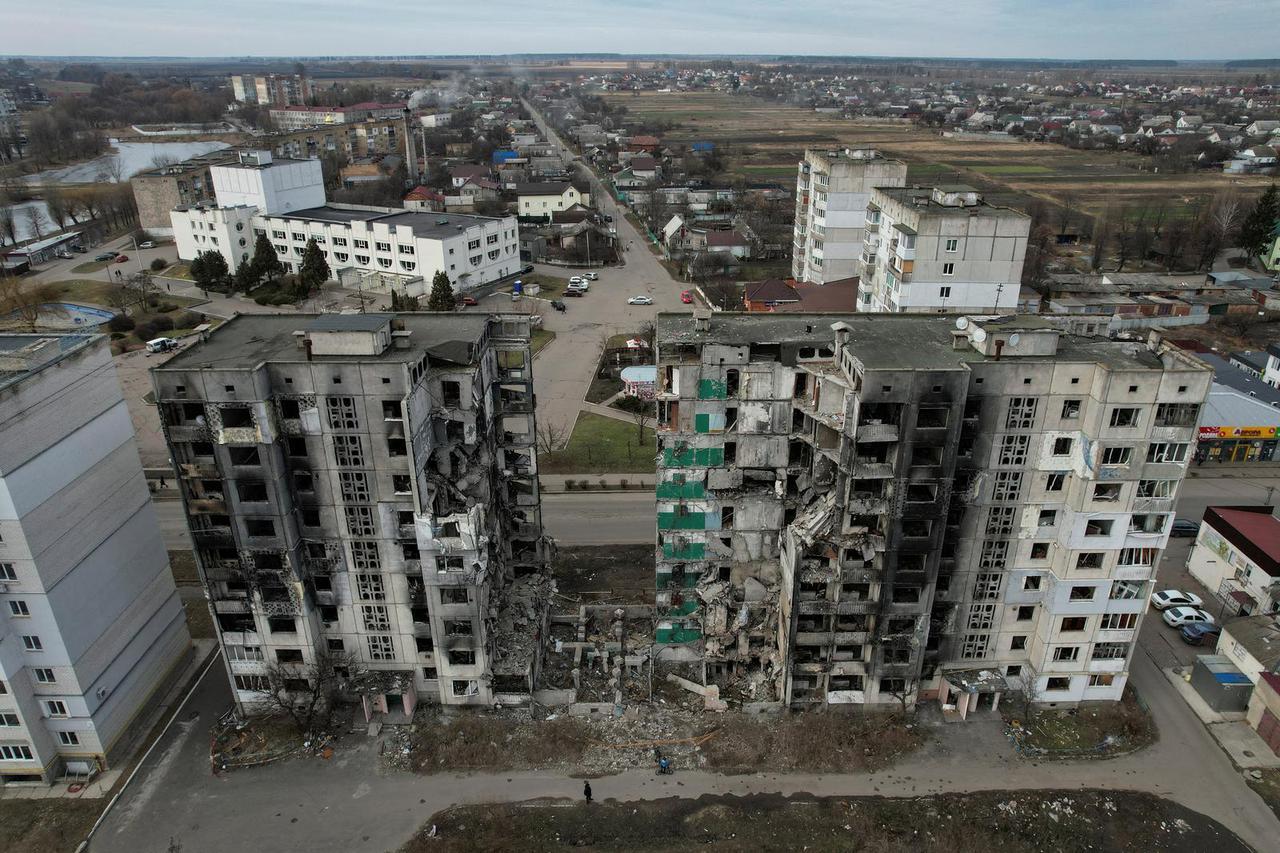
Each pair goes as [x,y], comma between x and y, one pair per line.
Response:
[637,483]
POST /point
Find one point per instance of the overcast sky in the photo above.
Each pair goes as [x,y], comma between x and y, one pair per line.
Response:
[1089,29]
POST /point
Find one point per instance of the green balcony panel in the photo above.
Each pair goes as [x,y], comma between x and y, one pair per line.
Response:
[712,389]
[684,551]
[682,521]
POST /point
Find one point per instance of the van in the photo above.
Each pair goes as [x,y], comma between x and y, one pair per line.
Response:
[162,344]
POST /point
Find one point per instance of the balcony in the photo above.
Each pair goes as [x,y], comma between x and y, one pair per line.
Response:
[868,255]
[213,537]
[188,432]
[870,468]
[1116,665]
[209,505]
[873,432]
[238,435]
[865,503]
[1132,573]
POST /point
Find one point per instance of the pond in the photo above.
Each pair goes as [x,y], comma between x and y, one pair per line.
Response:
[133,157]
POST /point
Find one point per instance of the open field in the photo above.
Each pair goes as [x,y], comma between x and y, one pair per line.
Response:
[763,141]
[602,445]
[1012,821]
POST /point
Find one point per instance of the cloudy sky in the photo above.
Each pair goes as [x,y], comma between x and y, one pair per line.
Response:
[1068,29]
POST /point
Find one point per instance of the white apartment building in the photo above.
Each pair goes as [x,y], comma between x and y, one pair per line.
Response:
[832,192]
[90,620]
[940,249]
[375,248]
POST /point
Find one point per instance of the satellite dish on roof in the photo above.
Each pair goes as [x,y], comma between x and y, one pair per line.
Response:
[1013,339]
[962,323]
[979,335]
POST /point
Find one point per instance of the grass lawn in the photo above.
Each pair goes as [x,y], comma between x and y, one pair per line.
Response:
[90,266]
[178,270]
[183,566]
[601,445]
[539,339]
[1100,731]
[1013,170]
[98,292]
[602,388]
[199,620]
[552,286]
[54,825]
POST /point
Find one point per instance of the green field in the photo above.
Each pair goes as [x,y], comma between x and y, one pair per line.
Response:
[602,445]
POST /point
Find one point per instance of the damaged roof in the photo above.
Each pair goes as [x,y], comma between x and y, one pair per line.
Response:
[248,340]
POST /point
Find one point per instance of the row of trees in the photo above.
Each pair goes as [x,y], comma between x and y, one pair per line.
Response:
[109,204]
[211,272]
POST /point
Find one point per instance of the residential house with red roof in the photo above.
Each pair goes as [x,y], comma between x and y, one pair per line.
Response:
[1237,557]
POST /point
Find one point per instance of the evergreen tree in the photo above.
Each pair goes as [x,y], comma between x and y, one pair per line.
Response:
[441,298]
[1258,227]
[245,278]
[265,263]
[314,269]
[403,302]
[209,269]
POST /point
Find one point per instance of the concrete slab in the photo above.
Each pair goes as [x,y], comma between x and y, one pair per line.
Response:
[1244,745]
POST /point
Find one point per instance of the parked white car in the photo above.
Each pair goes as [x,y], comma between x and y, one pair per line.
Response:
[577,279]
[639,300]
[1176,617]
[591,276]
[1166,598]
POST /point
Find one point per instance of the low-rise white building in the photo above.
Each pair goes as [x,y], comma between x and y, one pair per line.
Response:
[271,184]
[1237,557]
[542,200]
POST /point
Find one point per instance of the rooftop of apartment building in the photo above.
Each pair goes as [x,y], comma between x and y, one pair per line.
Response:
[903,341]
[23,356]
[423,223]
[221,157]
[947,200]
[249,340]
[860,154]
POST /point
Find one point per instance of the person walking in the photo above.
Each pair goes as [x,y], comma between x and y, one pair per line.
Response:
[586,790]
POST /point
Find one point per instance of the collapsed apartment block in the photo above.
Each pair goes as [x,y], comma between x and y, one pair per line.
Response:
[881,509]
[366,486]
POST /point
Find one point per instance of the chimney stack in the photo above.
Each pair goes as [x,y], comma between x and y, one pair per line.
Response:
[410,154]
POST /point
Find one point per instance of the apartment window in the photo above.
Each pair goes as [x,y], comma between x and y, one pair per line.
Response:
[1047,518]
[360,244]
[375,617]
[1164,451]
[288,655]
[1091,560]
[1116,455]
[380,647]
[1177,414]
[975,646]
[7,572]
[995,553]
[364,555]
[335,644]
[1021,413]
[282,625]
[1008,486]
[252,683]
[19,609]
[278,235]
[1070,409]
[1039,550]
[401,484]
[462,657]
[465,688]
[397,447]
[453,595]
[952,245]
[1156,488]
[362,260]
[1110,651]
[1025,613]
[342,413]
[1106,492]
[1104,679]
[1126,590]
[1000,520]
[354,486]
[948,269]
[1031,583]
[348,451]
[1118,622]
[405,250]
[68,738]
[1137,556]
[56,708]
[32,643]
[382,247]
[1124,417]
[1083,593]
[370,588]
[244,653]
[10,720]
[944,293]
[1062,446]
[10,752]
[44,675]
[1066,653]
[259,527]
[987,585]
[339,241]
[981,616]
[1073,623]
[1147,523]
[1013,449]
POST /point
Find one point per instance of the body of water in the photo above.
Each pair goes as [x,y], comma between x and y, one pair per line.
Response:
[133,157]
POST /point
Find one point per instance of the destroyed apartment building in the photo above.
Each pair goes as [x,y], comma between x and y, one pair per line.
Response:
[365,487]
[885,509]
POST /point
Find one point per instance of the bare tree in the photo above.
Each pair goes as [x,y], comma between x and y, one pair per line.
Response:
[1066,212]
[308,694]
[35,219]
[8,228]
[56,203]
[1101,240]
[1123,239]
[1173,243]
[642,415]
[114,168]
[904,693]
[24,304]
[551,437]
[648,333]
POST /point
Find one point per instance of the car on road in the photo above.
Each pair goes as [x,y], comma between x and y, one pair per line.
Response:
[105,256]
[467,300]
[1184,527]
[591,276]
[79,250]
[1200,633]
[1176,617]
[558,305]
[147,245]
[1166,598]
[526,269]
[162,344]
[686,297]
[64,254]
[120,259]
[573,291]
[608,218]
[639,300]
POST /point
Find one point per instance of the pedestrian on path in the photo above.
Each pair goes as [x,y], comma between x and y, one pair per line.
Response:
[586,790]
